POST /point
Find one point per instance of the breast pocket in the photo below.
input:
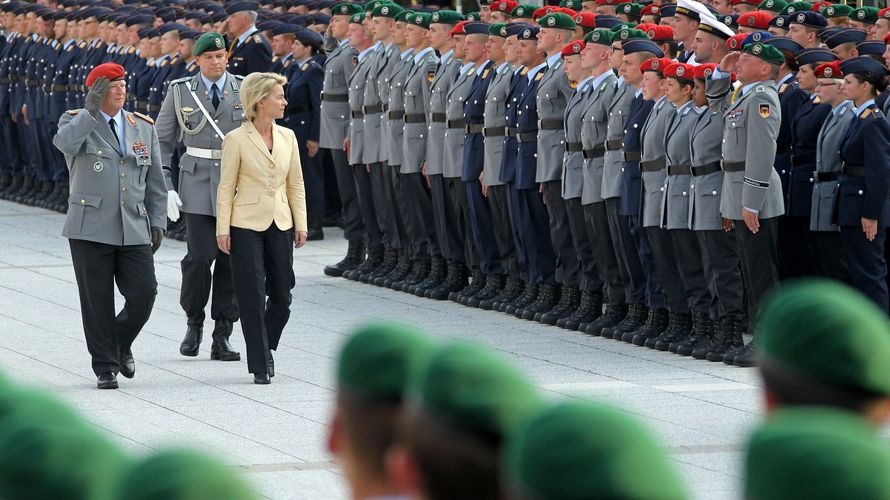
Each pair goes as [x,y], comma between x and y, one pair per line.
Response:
[238,116]
[99,161]
[737,131]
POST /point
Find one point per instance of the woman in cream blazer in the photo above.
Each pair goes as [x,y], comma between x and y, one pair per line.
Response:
[261,212]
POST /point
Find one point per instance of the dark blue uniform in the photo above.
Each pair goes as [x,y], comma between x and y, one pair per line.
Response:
[255,54]
[863,193]
[167,70]
[303,116]
[792,261]
[508,166]
[10,161]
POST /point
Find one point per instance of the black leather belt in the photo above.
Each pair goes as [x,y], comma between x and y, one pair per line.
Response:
[798,160]
[142,104]
[59,88]
[632,156]
[31,83]
[4,81]
[437,117]
[475,128]
[511,131]
[356,114]
[527,136]
[153,108]
[651,165]
[415,118]
[854,170]
[679,169]
[706,169]
[396,114]
[494,131]
[826,176]
[459,123]
[573,147]
[613,145]
[733,166]
[334,97]
[551,124]
[370,110]
[300,109]
[595,152]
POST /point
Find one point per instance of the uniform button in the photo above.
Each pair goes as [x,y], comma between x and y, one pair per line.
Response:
[860,191]
[123,190]
[684,193]
[216,136]
[98,152]
[692,186]
[122,202]
[661,189]
[216,164]
[122,162]
[83,201]
[123,175]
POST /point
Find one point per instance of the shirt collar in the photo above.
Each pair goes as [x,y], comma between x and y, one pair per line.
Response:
[118,123]
[846,104]
[219,83]
[860,109]
[377,45]
[420,55]
[554,59]
[638,93]
[344,43]
[244,36]
[599,79]
[363,54]
[407,54]
[785,79]
[582,85]
[465,68]
[517,69]
[688,104]
[446,57]
[534,71]
[747,88]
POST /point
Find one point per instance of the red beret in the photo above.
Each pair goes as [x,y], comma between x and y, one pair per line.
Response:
[680,70]
[703,71]
[655,64]
[657,32]
[735,41]
[112,71]
[829,70]
[887,39]
[818,6]
[758,19]
[755,3]
[540,12]
[651,10]
[458,29]
[504,6]
[573,49]
[586,19]
[567,11]
[884,13]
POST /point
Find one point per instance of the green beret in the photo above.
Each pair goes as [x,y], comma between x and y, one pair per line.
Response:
[773,5]
[816,453]
[498,29]
[46,451]
[473,17]
[389,10]
[798,7]
[421,19]
[346,9]
[582,450]
[631,10]
[357,18]
[403,15]
[868,15]
[377,361]
[183,475]
[837,10]
[626,26]
[374,4]
[209,41]
[446,17]
[628,34]
[571,4]
[829,332]
[765,52]
[523,11]
[601,36]
[474,391]
[558,20]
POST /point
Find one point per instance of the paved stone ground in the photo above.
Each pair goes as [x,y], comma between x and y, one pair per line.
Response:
[276,434]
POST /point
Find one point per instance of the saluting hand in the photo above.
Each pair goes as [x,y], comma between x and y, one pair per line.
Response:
[96,95]
[870,228]
[224,243]
[300,238]
[729,61]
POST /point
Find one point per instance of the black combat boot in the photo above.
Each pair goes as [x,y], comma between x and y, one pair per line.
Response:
[399,273]
[494,285]
[390,261]
[192,341]
[371,263]
[420,268]
[701,325]
[703,332]
[726,338]
[568,303]
[636,317]
[438,273]
[456,280]
[528,297]
[656,322]
[613,315]
[513,288]
[746,357]
[680,328]
[355,254]
[590,307]
[221,349]
[548,296]
[477,283]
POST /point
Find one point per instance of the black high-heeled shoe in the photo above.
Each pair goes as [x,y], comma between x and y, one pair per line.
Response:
[261,378]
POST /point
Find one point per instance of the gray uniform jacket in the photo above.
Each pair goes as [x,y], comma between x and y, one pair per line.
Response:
[356,132]
[652,150]
[198,175]
[494,119]
[573,156]
[706,148]
[552,95]
[613,161]
[678,188]
[455,125]
[393,118]
[377,93]
[751,128]
[116,196]
[435,143]
[417,98]
[593,135]
[334,106]
[828,159]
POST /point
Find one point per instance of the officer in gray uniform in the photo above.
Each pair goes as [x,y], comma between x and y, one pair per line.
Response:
[116,218]
[199,111]
[340,62]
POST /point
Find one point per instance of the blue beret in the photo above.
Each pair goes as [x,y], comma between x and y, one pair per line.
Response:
[668,10]
[863,64]
[529,33]
[785,43]
[318,18]
[730,20]
[268,25]
[189,35]
[809,19]
[514,29]
[829,31]
[850,35]
[815,56]
[780,22]
[282,28]
[172,27]
[757,36]
[235,7]
[635,45]
[308,38]
[607,22]
[871,47]
[476,28]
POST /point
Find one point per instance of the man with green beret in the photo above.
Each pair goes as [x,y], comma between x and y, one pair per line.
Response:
[824,344]
[523,13]
[794,7]
[864,18]
[462,406]
[774,7]
[816,453]
[201,110]
[373,369]
[838,14]
[629,12]
[600,453]
[182,475]
[752,191]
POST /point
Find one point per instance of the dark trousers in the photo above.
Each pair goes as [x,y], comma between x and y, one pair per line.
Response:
[368,214]
[482,228]
[58,167]
[353,227]
[513,210]
[501,228]
[419,223]
[589,278]
[382,196]
[665,266]
[828,255]
[262,266]
[655,293]
[462,224]
[313,181]
[97,268]
[760,260]
[692,274]
[626,252]
[868,268]
[331,189]
[444,219]
[720,261]
[795,258]
[11,161]
[604,251]
[568,268]
[198,280]
[535,229]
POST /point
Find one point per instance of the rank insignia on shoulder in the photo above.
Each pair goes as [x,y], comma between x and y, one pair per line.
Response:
[257,39]
[304,66]
[539,76]
[765,110]
[485,74]
[573,85]
[146,118]
[73,112]
[783,87]
[865,114]
[430,75]
[760,88]
[131,120]
[164,63]
[237,105]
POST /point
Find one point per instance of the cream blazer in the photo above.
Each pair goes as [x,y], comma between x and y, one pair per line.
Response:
[257,187]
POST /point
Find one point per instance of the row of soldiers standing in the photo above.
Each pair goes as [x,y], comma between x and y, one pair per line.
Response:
[507,167]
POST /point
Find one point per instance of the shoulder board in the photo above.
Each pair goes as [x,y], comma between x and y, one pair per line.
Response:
[73,112]
[783,87]
[843,110]
[539,76]
[865,114]
[760,88]
[275,59]
[240,77]
[485,74]
[81,45]
[816,100]
[304,66]
[164,62]
[174,60]
[257,38]
[131,120]
[146,118]
[181,80]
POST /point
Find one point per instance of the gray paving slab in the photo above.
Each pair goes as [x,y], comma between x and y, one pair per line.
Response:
[275,435]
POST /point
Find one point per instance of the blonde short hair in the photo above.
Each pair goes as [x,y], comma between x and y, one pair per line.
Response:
[257,87]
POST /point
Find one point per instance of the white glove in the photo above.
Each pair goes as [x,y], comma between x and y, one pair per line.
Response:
[174,203]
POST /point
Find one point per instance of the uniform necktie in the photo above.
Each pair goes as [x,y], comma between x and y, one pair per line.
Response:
[111,123]
[215,99]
